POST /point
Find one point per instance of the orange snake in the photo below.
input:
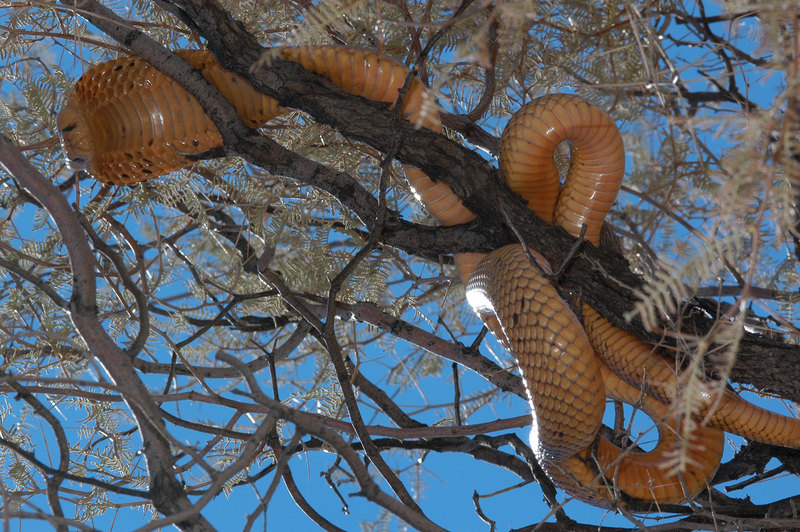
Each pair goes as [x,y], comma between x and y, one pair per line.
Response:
[126,122]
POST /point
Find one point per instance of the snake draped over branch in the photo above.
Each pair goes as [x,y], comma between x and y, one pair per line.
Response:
[126,122]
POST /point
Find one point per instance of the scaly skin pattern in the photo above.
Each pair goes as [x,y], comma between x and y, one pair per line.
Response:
[689,448]
[564,378]
[639,364]
[125,122]
[597,161]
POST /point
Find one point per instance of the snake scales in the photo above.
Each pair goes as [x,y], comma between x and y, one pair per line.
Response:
[126,122]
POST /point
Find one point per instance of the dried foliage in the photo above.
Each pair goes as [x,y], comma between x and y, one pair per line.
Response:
[167,346]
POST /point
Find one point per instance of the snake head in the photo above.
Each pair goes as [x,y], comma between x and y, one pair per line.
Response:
[75,137]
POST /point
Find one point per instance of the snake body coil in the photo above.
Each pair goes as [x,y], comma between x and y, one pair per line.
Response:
[126,122]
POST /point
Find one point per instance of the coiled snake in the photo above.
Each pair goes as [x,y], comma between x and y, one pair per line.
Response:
[126,122]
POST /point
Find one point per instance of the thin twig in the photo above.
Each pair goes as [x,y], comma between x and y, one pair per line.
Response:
[456,395]
[369,489]
[476,500]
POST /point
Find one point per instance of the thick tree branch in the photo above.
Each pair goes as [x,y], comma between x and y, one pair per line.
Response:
[166,491]
[601,278]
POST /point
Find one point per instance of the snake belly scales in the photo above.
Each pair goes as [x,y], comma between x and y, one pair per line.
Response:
[125,122]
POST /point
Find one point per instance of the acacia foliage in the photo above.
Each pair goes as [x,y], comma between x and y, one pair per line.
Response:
[173,343]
